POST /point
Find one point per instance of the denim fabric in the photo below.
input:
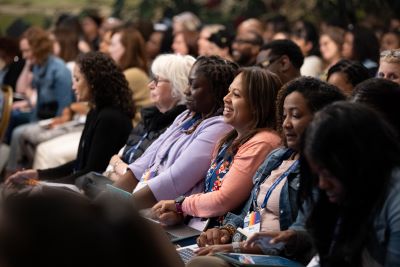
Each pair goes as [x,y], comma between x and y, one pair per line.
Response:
[384,242]
[288,198]
[53,83]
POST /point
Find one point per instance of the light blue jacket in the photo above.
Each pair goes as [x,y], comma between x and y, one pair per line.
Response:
[384,242]
[288,198]
[53,83]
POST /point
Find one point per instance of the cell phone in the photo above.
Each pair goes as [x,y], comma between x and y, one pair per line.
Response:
[243,232]
[117,191]
[252,260]
[18,96]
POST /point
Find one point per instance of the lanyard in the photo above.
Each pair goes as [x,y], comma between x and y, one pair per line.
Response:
[150,174]
[212,176]
[186,125]
[132,150]
[274,185]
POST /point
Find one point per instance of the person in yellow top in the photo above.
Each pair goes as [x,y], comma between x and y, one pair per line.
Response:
[127,49]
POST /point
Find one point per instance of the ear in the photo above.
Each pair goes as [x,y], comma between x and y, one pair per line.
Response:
[308,46]
[285,63]
[255,50]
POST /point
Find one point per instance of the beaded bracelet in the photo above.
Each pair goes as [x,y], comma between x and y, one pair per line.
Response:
[231,230]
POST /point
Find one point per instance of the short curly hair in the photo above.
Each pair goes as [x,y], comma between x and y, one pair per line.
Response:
[107,82]
[316,93]
[40,43]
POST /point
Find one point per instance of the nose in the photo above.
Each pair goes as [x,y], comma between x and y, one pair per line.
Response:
[227,98]
[287,123]
[187,90]
[323,183]
[151,85]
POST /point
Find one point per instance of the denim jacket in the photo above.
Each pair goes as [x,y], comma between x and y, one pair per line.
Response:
[288,198]
[383,243]
[53,83]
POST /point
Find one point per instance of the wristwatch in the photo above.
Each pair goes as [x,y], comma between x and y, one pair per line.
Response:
[236,247]
[178,203]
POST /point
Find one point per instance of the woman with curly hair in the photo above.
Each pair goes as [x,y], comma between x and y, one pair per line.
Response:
[97,80]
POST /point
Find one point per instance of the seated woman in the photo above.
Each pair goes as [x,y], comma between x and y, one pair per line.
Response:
[177,162]
[170,74]
[355,155]
[272,205]
[382,95]
[127,49]
[346,75]
[250,109]
[49,225]
[389,65]
[99,81]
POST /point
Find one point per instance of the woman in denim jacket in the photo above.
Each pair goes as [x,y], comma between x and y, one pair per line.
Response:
[296,105]
[355,156]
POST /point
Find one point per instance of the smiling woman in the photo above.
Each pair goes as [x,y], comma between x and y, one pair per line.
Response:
[249,107]
[272,205]
[177,161]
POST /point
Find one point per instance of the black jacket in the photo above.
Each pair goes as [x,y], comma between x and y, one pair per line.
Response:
[104,134]
[154,123]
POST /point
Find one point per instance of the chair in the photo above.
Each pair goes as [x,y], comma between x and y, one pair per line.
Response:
[6,106]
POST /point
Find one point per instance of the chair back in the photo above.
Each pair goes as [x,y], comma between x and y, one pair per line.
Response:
[6,106]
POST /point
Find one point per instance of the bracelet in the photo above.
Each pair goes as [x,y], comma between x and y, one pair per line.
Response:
[117,163]
[236,247]
[231,230]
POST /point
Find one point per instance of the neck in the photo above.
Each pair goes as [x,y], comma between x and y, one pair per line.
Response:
[295,156]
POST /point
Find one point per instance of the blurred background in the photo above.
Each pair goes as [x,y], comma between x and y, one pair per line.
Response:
[371,13]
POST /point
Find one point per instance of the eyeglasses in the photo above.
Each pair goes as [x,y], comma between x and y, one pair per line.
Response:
[264,64]
[156,80]
[244,41]
[391,53]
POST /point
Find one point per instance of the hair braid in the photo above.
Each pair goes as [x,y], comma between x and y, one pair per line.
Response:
[220,73]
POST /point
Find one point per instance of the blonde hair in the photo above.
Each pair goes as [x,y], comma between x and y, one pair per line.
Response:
[391,56]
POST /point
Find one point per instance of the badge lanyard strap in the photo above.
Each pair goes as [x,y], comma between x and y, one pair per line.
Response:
[274,185]
[220,159]
[131,151]
[186,125]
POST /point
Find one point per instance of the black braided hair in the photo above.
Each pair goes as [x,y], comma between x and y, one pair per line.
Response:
[220,74]
[354,71]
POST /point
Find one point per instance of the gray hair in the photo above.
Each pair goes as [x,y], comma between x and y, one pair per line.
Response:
[176,69]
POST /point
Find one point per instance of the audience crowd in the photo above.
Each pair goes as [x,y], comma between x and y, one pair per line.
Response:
[276,139]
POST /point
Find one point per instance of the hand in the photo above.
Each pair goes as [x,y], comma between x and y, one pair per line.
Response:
[213,236]
[21,177]
[209,250]
[165,211]
[276,237]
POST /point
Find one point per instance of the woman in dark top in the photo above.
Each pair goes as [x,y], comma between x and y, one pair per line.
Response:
[98,80]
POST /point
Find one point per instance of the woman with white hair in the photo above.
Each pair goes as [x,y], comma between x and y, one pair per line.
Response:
[170,78]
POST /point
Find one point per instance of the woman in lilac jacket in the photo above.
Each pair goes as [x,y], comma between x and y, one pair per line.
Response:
[176,163]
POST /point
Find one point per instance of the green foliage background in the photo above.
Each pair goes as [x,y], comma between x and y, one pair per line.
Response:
[230,12]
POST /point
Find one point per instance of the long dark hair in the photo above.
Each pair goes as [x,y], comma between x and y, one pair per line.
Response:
[260,90]
[108,84]
[360,149]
